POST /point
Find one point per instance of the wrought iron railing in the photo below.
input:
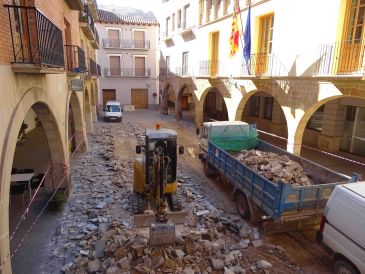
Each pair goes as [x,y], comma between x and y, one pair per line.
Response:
[86,17]
[75,59]
[127,72]
[341,58]
[35,39]
[263,64]
[92,68]
[209,68]
[96,35]
[134,44]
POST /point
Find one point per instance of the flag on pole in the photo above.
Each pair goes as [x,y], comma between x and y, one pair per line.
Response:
[233,40]
[247,37]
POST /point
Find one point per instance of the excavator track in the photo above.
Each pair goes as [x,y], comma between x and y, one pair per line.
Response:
[175,202]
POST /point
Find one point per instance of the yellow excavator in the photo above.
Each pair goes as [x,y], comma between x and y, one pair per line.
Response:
[155,200]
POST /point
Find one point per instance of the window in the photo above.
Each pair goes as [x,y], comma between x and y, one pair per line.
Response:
[255,106]
[178,19]
[113,38]
[201,12]
[356,22]
[350,113]
[315,122]
[186,23]
[115,65]
[265,42]
[167,26]
[173,22]
[139,66]
[268,105]
[139,39]
[185,63]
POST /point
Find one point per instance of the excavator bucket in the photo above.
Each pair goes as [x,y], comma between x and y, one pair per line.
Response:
[162,234]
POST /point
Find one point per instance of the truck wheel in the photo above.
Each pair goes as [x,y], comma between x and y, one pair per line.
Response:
[209,170]
[344,267]
[242,206]
[174,201]
[138,205]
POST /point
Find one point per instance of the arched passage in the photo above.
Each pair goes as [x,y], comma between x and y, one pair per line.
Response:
[43,144]
[213,106]
[168,100]
[185,105]
[88,113]
[334,124]
[262,109]
[76,130]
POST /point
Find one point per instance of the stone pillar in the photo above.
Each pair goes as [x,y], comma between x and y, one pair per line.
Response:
[4,233]
[332,126]
[278,123]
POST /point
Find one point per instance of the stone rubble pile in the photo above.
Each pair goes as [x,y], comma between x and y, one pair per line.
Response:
[274,167]
[96,233]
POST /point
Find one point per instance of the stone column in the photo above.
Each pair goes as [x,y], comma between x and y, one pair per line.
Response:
[278,122]
[332,126]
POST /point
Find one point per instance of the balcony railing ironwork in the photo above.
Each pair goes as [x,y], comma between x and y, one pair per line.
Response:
[263,64]
[93,70]
[341,58]
[35,39]
[89,28]
[127,72]
[129,44]
[209,68]
[75,59]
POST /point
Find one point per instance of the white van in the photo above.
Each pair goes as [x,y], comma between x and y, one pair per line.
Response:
[342,229]
[112,111]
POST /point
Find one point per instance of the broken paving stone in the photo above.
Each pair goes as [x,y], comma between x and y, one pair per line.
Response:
[217,264]
[91,227]
[101,205]
[179,253]
[188,270]
[113,270]
[201,213]
[99,248]
[124,263]
[257,243]
[228,271]
[93,266]
[84,252]
[262,264]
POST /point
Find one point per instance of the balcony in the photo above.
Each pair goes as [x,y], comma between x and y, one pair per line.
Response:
[93,69]
[93,7]
[127,72]
[263,64]
[88,26]
[126,44]
[341,58]
[75,59]
[37,42]
[209,68]
[75,4]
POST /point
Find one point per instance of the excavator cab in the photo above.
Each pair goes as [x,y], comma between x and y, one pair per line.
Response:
[155,198]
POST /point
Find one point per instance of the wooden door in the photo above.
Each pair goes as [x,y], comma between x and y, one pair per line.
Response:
[214,53]
[115,65]
[139,66]
[265,43]
[114,40]
[139,98]
[108,95]
[184,102]
[139,40]
[352,47]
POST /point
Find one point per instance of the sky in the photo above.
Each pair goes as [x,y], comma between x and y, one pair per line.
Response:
[145,5]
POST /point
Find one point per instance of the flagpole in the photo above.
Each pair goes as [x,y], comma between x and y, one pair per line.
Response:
[241,37]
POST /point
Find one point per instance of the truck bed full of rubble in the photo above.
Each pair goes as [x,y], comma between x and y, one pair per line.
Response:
[274,167]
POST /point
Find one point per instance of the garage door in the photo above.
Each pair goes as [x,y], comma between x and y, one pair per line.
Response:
[108,95]
[139,98]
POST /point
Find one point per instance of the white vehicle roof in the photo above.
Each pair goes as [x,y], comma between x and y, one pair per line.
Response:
[358,188]
[113,103]
[226,123]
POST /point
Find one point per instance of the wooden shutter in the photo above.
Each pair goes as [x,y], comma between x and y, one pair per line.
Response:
[114,41]
[139,66]
[115,65]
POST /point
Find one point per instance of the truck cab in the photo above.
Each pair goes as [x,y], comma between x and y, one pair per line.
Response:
[112,111]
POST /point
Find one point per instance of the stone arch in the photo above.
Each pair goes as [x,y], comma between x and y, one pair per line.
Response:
[199,107]
[52,123]
[168,89]
[88,112]
[185,101]
[278,123]
[74,112]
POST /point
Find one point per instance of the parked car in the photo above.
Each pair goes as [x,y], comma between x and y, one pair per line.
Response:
[342,229]
[112,111]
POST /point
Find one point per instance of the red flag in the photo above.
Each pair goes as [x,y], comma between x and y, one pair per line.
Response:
[233,40]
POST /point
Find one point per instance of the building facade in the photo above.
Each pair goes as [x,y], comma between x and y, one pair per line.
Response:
[128,56]
[47,60]
[303,80]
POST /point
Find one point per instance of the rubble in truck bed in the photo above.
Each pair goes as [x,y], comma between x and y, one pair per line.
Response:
[275,167]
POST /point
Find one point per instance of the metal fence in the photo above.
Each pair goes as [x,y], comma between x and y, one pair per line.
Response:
[127,72]
[263,64]
[341,58]
[35,39]
[75,59]
[130,44]
[92,68]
